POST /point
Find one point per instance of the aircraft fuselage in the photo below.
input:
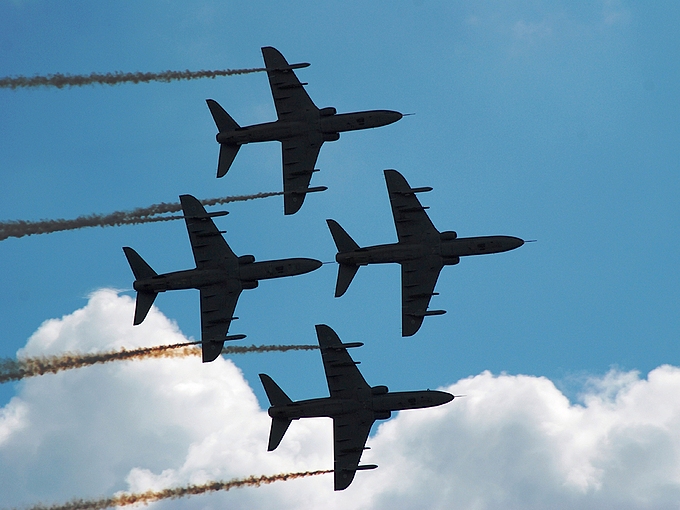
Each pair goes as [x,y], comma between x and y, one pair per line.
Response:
[382,404]
[450,250]
[327,125]
[245,275]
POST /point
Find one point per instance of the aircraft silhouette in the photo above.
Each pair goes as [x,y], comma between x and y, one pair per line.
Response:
[301,128]
[353,405]
[421,250]
[220,276]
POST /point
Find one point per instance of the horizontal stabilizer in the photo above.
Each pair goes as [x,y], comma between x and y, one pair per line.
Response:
[346,274]
[276,395]
[143,305]
[227,155]
[222,119]
[343,241]
[211,349]
[139,267]
[276,433]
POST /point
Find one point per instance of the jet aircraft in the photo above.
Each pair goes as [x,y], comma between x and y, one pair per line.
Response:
[301,128]
[220,276]
[353,405]
[421,250]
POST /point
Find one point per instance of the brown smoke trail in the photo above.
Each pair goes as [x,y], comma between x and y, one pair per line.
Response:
[14,370]
[59,80]
[176,492]
[21,228]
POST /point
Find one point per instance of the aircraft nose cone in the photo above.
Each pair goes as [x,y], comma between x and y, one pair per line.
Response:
[447,397]
[516,242]
[394,117]
[311,265]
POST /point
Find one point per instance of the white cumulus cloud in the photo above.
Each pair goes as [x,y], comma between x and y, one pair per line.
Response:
[512,442]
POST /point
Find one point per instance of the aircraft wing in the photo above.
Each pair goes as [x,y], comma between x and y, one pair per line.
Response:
[218,303]
[299,158]
[410,219]
[418,279]
[290,98]
[210,249]
[350,433]
[343,376]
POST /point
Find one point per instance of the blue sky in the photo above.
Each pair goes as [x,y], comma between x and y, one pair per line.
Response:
[551,121]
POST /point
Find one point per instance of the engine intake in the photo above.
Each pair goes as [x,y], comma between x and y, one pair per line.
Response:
[449,235]
[331,137]
[246,259]
[328,111]
[379,390]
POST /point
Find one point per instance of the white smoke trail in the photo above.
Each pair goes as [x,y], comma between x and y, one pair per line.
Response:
[21,228]
[59,80]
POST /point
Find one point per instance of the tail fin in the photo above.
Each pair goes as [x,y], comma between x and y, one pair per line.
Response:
[346,274]
[221,117]
[276,397]
[141,271]
[227,155]
[344,243]
[139,267]
[143,305]
[224,123]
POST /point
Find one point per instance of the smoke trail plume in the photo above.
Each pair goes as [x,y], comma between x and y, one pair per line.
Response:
[21,228]
[59,80]
[176,492]
[14,370]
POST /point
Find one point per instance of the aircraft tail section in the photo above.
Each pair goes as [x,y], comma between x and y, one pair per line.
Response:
[346,274]
[143,305]
[224,123]
[142,271]
[276,397]
[344,244]
[139,267]
[227,155]
[343,241]
[277,431]
[222,119]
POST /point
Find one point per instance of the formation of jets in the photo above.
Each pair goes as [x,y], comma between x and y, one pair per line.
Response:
[220,275]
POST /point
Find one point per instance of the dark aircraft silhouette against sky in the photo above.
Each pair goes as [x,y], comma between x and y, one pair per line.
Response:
[353,405]
[220,276]
[421,250]
[301,128]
